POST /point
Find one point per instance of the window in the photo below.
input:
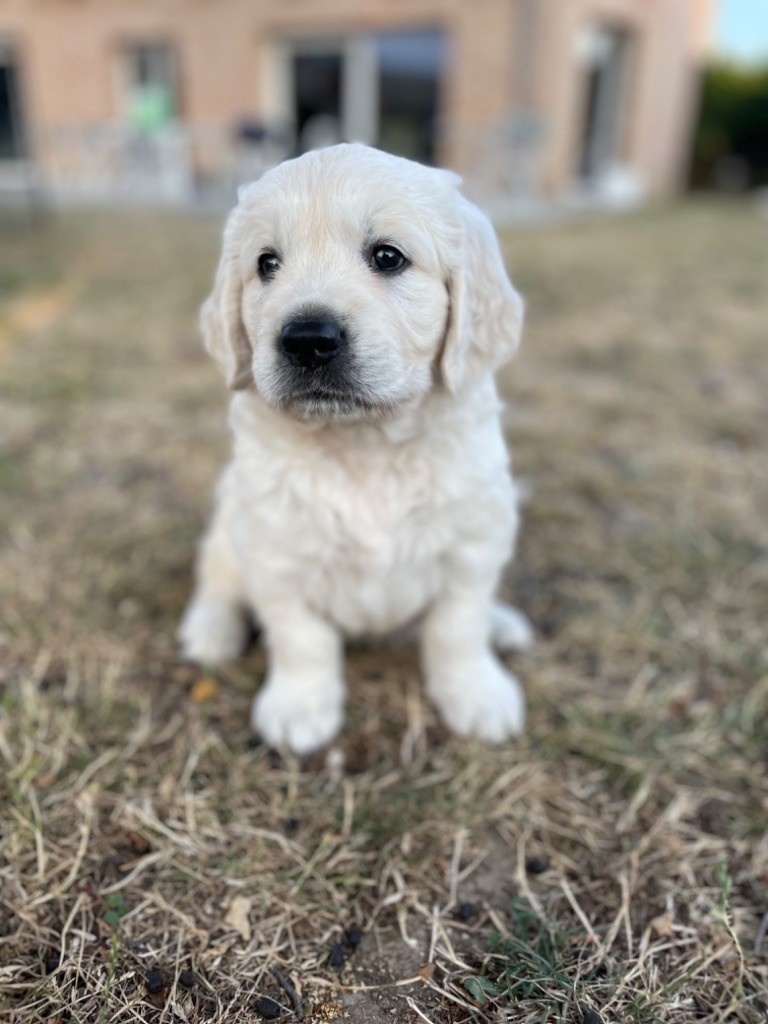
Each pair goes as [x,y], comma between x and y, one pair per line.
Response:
[605,54]
[148,85]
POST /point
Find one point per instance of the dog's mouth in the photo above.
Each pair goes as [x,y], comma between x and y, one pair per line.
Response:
[330,404]
[326,394]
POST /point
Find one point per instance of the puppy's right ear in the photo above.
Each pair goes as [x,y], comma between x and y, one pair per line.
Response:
[486,313]
[221,319]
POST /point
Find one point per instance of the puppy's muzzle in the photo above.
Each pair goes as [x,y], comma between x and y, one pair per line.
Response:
[310,344]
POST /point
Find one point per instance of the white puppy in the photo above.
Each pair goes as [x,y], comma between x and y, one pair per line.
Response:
[359,310]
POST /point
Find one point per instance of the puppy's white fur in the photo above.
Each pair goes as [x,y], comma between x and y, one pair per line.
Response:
[345,518]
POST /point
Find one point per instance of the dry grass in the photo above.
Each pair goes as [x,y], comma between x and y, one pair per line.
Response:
[615,863]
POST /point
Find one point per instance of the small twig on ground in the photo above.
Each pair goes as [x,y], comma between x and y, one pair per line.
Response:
[287,986]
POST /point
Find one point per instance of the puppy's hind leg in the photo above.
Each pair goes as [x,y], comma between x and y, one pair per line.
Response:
[215,627]
[510,629]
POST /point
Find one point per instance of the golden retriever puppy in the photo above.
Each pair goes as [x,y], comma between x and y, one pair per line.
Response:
[359,310]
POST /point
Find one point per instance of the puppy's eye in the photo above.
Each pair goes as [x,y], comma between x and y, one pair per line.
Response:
[268,264]
[387,259]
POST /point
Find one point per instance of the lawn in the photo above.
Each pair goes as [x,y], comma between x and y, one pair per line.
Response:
[158,864]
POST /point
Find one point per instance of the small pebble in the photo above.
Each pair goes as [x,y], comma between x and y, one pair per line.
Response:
[352,938]
[591,1017]
[187,979]
[537,865]
[154,982]
[268,1008]
[336,956]
[466,911]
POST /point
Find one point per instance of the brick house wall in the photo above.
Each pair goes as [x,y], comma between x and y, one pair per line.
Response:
[503,58]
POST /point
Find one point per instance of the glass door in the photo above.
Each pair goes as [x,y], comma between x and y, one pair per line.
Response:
[379,89]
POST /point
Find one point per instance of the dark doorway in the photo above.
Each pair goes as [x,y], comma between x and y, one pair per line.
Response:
[11,134]
[318,89]
[410,71]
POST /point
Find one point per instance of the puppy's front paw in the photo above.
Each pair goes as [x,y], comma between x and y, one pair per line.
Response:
[484,701]
[213,631]
[301,717]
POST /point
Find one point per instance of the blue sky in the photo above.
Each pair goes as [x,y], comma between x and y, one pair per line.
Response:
[742,29]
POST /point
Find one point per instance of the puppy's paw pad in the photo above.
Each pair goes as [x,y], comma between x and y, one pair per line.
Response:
[303,721]
[487,703]
[510,629]
[213,631]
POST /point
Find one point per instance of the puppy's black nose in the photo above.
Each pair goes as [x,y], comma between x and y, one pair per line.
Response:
[312,343]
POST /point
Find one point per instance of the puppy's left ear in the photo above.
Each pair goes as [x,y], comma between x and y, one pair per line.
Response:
[486,313]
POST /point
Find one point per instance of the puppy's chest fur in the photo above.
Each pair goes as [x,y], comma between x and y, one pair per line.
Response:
[364,532]
[361,526]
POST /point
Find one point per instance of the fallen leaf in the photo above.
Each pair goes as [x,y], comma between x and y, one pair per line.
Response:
[662,925]
[426,971]
[203,689]
[237,916]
